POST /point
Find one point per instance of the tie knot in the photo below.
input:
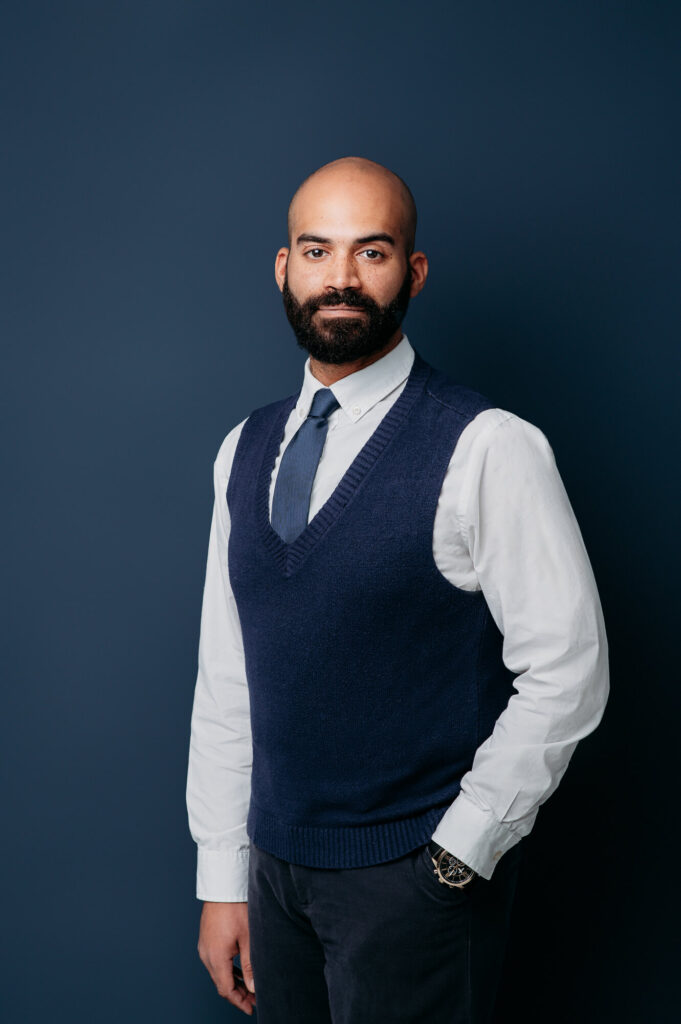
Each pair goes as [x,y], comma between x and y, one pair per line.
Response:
[323,403]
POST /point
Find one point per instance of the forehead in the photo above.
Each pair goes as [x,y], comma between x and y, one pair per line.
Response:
[340,205]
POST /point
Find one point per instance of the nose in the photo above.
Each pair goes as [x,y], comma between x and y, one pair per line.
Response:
[341,273]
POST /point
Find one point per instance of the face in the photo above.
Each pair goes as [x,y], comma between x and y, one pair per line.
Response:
[346,280]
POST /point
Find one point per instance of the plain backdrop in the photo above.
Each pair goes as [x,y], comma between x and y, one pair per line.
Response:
[149,151]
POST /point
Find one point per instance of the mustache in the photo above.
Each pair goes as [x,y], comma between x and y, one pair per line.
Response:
[340,299]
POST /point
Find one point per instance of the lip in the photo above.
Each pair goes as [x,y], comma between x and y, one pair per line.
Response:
[342,310]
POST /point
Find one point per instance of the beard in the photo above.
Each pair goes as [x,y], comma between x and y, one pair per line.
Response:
[346,338]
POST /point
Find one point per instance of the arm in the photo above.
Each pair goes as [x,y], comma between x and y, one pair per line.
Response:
[219,770]
[533,568]
[220,753]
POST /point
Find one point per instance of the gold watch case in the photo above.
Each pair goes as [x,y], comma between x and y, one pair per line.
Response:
[451,871]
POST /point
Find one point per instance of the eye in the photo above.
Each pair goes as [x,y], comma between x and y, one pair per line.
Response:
[375,253]
[309,252]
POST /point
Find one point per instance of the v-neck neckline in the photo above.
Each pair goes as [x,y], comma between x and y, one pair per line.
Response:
[289,556]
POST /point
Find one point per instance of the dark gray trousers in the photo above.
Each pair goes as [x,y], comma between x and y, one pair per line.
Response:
[385,944]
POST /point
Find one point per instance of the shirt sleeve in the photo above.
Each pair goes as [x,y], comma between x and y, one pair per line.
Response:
[534,571]
[220,748]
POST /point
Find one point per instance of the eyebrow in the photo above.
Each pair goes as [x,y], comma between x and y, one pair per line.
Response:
[380,236]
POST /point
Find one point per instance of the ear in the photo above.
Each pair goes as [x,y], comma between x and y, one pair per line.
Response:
[280,261]
[419,272]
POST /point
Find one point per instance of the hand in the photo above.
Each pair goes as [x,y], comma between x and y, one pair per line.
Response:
[223,932]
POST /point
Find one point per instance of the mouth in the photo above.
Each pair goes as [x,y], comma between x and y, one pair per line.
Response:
[341,310]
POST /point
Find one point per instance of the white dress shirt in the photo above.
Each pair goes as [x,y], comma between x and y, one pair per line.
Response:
[503,524]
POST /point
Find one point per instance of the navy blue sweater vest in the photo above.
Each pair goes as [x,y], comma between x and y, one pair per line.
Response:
[372,679]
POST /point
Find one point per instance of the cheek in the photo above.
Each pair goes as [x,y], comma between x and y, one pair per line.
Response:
[381,283]
[304,281]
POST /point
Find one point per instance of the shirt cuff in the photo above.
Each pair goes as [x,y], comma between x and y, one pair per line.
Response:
[474,835]
[222,875]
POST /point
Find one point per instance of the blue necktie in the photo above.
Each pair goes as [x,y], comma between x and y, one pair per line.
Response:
[293,486]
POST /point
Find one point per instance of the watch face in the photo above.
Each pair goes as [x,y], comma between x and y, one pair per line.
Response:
[438,890]
[453,871]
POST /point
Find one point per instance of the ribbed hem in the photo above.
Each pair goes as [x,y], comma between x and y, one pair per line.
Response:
[349,846]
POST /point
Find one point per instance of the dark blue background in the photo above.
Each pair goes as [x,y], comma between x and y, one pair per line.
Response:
[149,153]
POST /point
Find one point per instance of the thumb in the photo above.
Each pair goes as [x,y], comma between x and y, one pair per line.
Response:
[246,966]
[248,976]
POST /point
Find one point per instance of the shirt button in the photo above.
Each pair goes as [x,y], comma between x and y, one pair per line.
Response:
[497,855]
[356,410]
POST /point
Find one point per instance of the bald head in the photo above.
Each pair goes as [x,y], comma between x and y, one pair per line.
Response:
[358,173]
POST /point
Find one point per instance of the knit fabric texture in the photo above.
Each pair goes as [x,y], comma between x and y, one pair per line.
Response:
[372,679]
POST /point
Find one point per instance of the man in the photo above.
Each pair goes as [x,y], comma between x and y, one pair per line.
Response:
[401,645]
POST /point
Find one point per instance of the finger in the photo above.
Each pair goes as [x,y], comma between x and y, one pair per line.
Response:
[233,991]
[246,965]
[243,1000]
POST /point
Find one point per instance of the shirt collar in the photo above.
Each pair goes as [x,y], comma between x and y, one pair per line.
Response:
[359,391]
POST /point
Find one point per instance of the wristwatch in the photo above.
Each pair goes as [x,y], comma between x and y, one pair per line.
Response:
[449,869]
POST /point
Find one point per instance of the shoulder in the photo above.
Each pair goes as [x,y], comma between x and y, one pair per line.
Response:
[226,452]
[507,434]
[225,455]
[462,401]
[489,425]
[499,445]
[504,456]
